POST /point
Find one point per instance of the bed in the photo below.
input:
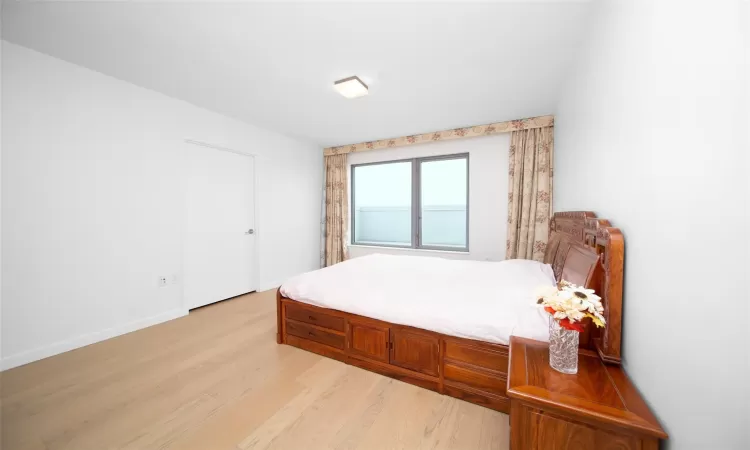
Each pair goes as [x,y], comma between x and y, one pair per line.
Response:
[445,324]
[481,300]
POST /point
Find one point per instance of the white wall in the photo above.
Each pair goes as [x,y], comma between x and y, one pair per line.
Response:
[488,193]
[651,134]
[1,211]
[92,203]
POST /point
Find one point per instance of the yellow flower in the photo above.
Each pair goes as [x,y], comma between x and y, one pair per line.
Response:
[598,320]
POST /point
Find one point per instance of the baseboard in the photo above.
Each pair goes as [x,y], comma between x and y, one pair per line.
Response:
[36,354]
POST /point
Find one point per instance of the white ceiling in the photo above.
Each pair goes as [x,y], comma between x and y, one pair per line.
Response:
[430,66]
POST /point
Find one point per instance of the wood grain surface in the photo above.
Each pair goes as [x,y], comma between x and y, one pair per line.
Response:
[596,408]
[216,380]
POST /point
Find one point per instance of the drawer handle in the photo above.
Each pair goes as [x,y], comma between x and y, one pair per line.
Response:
[310,333]
[311,317]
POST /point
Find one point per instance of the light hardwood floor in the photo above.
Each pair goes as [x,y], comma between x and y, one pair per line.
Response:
[216,379]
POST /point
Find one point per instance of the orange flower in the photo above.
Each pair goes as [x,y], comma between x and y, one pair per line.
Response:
[574,326]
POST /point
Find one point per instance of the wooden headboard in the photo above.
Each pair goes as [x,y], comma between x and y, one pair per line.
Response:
[588,251]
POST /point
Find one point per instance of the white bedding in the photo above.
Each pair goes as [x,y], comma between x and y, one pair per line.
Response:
[488,301]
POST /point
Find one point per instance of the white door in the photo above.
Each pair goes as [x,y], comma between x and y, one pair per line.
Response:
[219,240]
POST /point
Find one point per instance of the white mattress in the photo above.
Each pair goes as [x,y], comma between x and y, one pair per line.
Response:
[488,301]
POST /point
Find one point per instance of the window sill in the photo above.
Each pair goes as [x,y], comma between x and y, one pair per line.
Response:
[409,249]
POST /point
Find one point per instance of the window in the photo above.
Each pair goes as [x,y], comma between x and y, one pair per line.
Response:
[414,203]
[382,199]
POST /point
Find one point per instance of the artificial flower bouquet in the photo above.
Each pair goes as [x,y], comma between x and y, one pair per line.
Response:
[570,305]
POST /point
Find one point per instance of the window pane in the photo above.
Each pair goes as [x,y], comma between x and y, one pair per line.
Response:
[444,199]
[382,204]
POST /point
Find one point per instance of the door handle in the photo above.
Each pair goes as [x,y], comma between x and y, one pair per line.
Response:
[250,231]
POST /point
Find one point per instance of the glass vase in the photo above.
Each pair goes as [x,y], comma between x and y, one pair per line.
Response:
[563,348]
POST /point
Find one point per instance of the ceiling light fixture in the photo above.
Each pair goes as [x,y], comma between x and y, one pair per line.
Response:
[351,87]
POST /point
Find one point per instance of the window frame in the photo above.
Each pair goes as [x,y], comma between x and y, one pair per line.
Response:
[416,203]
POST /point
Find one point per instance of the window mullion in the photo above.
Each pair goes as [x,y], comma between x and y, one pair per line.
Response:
[415,205]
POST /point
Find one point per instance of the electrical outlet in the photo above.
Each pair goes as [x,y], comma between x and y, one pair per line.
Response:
[162,281]
[175,278]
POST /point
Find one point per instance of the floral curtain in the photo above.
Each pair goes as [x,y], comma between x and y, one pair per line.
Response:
[323,220]
[337,205]
[456,133]
[529,193]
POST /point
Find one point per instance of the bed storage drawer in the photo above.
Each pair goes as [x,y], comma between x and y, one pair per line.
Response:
[494,358]
[415,351]
[484,398]
[369,340]
[313,317]
[305,331]
[476,378]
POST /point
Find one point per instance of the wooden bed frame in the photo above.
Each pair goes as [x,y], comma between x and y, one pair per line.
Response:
[582,249]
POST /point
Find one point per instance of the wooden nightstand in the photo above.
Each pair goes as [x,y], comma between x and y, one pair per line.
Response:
[598,408]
